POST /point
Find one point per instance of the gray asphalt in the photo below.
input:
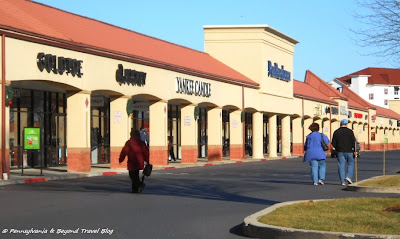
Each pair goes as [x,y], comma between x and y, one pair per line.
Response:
[203,202]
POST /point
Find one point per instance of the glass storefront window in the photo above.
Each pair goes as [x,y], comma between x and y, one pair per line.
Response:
[34,108]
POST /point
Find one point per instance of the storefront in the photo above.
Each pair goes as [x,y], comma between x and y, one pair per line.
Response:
[86,95]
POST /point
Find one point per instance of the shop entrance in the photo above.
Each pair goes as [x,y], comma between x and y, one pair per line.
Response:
[174,132]
[265,134]
[225,134]
[46,110]
[202,138]
[141,119]
[100,129]
[248,134]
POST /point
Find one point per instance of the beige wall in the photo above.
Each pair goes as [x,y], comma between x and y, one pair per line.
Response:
[248,50]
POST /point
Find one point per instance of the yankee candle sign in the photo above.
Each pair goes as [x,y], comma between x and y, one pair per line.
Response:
[32,138]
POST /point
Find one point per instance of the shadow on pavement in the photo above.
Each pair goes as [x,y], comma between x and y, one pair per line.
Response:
[191,188]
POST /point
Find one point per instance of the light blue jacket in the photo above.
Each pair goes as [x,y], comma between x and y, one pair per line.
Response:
[313,147]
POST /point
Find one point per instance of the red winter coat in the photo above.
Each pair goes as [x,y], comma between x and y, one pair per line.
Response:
[137,152]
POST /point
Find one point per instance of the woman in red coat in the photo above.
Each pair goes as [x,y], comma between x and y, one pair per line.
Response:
[137,153]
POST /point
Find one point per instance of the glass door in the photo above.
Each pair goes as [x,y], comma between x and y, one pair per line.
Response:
[174,132]
[100,130]
[248,133]
[225,133]
[202,139]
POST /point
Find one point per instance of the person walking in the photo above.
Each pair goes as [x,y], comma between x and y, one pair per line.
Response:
[137,153]
[171,149]
[144,136]
[315,155]
[343,141]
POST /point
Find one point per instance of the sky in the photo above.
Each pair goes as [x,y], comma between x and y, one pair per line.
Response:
[326,45]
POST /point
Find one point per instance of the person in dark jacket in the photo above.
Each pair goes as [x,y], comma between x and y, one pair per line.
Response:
[137,153]
[343,141]
[315,154]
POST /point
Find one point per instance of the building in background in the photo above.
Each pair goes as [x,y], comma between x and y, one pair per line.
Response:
[377,86]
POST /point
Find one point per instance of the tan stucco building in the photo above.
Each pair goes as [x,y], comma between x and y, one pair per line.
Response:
[86,87]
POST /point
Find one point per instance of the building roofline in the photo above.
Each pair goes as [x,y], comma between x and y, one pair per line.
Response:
[265,27]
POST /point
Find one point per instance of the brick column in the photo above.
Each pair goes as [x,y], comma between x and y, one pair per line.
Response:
[286,135]
[120,127]
[158,133]
[188,134]
[272,128]
[78,132]
[298,148]
[258,135]
[214,134]
[236,135]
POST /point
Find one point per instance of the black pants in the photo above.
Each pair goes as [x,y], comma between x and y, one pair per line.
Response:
[171,153]
[134,175]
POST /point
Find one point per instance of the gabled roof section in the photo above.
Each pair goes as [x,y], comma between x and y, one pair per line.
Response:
[36,19]
[377,76]
[355,100]
[303,90]
[386,112]
[323,87]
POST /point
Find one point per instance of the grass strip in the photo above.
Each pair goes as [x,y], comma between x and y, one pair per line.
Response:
[392,181]
[357,215]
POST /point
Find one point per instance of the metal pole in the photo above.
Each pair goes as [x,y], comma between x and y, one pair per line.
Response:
[384,160]
[355,158]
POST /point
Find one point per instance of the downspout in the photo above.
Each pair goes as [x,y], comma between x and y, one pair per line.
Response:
[302,118]
[369,132]
[243,127]
[3,105]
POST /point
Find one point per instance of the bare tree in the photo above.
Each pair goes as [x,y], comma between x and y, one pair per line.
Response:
[380,27]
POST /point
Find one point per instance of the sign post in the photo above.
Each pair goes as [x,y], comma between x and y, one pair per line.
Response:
[355,158]
[32,143]
[385,142]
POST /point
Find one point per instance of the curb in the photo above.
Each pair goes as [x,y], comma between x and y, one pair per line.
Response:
[252,228]
[357,188]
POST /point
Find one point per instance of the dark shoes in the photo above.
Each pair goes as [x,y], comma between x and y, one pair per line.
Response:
[141,187]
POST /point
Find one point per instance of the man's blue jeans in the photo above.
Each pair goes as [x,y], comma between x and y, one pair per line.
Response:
[318,168]
[342,159]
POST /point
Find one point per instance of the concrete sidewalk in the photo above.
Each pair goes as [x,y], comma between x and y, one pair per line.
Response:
[32,175]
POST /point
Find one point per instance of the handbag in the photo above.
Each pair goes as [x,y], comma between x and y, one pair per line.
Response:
[323,144]
[147,169]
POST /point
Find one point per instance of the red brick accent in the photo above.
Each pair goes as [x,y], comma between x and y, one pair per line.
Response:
[114,158]
[189,154]
[236,151]
[159,155]
[214,152]
[35,180]
[7,169]
[78,160]
[376,147]
[298,149]
[362,146]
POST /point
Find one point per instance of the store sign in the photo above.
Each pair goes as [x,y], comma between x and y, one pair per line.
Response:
[318,110]
[130,77]
[334,110]
[358,115]
[349,114]
[191,87]
[276,72]
[117,117]
[32,138]
[59,65]
[187,120]
[343,110]
[97,101]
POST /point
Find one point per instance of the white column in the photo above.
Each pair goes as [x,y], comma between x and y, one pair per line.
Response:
[258,135]
[272,134]
[286,135]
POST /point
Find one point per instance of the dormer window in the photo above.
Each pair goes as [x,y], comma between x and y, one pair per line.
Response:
[396,90]
[386,91]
